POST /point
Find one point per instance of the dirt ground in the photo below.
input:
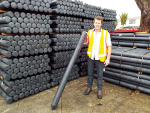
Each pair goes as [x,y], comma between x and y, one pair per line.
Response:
[116,99]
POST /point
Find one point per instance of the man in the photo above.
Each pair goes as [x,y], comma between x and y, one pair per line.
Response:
[99,52]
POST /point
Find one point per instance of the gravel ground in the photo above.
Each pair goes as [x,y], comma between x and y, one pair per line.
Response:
[116,99]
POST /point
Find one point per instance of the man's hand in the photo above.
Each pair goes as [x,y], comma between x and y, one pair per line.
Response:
[107,61]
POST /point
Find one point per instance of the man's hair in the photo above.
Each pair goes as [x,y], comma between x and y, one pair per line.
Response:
[98,18]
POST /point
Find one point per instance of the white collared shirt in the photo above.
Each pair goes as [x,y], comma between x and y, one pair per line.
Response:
[95,49]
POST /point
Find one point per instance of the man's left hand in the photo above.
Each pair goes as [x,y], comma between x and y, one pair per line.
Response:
[107,61]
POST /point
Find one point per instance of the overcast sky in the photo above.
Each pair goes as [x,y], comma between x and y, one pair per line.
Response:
[121,6]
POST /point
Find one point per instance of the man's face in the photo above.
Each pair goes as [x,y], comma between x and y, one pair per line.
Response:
[97,24]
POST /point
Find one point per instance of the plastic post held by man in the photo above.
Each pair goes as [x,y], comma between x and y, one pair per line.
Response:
[67,72]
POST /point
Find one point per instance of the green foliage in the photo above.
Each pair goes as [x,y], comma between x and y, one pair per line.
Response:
[116,23]
[123,19]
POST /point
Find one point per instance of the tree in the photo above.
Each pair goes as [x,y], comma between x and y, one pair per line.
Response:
[144,6]
[123,19]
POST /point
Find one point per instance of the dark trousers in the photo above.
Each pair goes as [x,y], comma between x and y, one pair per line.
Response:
[99,67]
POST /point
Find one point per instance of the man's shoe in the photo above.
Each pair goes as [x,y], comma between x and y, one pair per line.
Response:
[87,92]
[99,94]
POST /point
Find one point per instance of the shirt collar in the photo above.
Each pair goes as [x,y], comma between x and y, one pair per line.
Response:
[99,31]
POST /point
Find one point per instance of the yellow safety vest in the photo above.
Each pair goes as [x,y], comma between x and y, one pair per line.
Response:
[102,46]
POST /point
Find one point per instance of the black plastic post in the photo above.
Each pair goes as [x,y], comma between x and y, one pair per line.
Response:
[67,72]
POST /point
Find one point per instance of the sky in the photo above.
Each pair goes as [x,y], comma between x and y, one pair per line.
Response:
[121,6]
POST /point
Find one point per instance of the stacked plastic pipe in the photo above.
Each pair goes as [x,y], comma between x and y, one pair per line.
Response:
[37,31]
[129,67]
[131,40]
[66,24]
[40,6]
[24,65]
[24,48]
[63,46]
[108,17]
[21,22]
[83,61]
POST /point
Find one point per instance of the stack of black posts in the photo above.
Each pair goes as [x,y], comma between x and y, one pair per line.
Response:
[40,6]
[24,76]
[109,14]
[64,42]
[131,40]
[63,46]
[37,41]
[85,12]
[67,28]
[20,45]
[110,26]
[92,11]
[21,22]
[24,65]
[67,7]
[83,61]
[129,64]
[66,24]
[24,48]
[69,22]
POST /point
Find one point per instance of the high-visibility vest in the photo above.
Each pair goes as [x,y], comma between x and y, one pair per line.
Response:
[102,46]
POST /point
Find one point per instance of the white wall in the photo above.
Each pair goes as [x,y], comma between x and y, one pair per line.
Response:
[137,22]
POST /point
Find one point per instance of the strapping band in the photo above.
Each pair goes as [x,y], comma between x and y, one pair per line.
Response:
[141,68]
[142,59]
[123,52]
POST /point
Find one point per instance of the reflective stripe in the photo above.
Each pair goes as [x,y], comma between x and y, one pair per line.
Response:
[89,52]
[102,55]
[104,42]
